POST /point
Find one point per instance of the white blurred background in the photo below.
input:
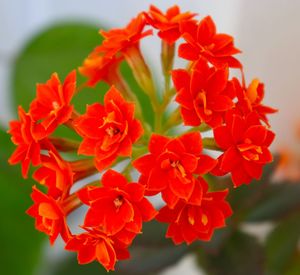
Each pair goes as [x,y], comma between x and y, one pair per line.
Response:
[268,33]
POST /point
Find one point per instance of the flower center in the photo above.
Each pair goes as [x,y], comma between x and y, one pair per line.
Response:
[202,103]
[112,131]
[177,165]
[118,201]
[55,105]
[249,151]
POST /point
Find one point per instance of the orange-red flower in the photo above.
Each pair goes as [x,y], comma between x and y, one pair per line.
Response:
[52,104]
[119,40]
[170,166]
[98,68]
[250,99]
[108,131]
[49,216]
[202,40]
[168,24]
[26,134]
[56,174]
[204,94]
[95,245]
[190,221]
[116,206]
[245,142]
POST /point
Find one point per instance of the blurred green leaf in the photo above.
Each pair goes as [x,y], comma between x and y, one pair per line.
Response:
[281,244]
[20,242]
[60,48]
[294,265]
[240,255]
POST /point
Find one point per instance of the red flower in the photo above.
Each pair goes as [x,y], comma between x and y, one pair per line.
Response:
[168,24]
[27,136]
[119,40]
[116,206]
[95,245]
[204,95]
[49,216]
[245,142]
[170,166]
[190,222]
[108,131]
[98,68]
[202,40]
[52,104]
[56,174]
[250,99]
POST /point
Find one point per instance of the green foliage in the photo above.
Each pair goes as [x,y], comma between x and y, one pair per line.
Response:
[20,242]
[281,244]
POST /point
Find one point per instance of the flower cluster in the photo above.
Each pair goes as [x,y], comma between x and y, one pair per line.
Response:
[172,162]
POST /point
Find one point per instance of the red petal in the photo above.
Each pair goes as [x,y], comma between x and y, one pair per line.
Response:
[157,144]
[192,142]
[113,179]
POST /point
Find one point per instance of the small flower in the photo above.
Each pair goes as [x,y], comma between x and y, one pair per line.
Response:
[168,24]
[52,104]
[95,245]
[108,130]
[245,143]
[250,100]
[27,135]
[189,221]
[117,41]
[56,174]
[202,40]
[98,68]
[49,216]
[204,95]
[117,205]
[170,166]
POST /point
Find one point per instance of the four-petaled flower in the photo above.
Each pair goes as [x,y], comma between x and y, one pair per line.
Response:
[204,94]
[196,220]
[168,24]
[49,215]
[56,174]
[250,100]
[108,130]
[171,164]
[245,143]
[52,105]
[95,245]
[120,40]
[117,205]
[202,40]
[27,136]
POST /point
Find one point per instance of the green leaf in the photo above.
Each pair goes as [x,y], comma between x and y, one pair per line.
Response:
[240,255]
[281,244]
[20,242]
[294,265]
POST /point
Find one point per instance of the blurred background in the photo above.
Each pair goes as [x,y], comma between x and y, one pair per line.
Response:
[39,37]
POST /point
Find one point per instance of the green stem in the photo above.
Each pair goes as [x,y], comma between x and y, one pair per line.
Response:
[64,144]
[210,143]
